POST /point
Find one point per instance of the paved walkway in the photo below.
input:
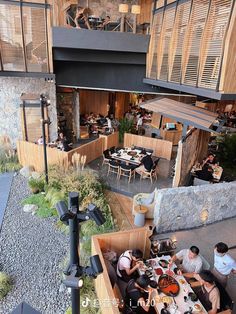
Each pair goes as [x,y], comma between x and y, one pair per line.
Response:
[5,187]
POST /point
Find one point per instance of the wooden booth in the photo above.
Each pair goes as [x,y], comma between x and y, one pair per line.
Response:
[134,239]
[31,154]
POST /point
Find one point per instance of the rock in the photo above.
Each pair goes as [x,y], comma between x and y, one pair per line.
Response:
[26,171]
[30,208]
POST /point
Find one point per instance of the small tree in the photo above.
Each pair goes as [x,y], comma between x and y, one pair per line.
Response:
[126,126]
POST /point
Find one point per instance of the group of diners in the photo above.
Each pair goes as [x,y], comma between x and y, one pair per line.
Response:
[208,285]
[138,116]
[61,143]
[98,123]
[134,160]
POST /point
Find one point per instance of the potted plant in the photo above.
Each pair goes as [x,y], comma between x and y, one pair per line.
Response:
[126,126]
[36,185]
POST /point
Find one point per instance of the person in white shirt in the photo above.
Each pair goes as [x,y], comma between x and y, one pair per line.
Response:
[224,264]
[140,125]
[128,264]
[191,261]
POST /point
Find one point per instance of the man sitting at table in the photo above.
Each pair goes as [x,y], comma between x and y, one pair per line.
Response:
[128,263]
[146,163]
[208,294]
[191,261]
[139,295]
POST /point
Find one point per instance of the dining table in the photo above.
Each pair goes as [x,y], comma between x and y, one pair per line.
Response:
[129,155]
[216,174]
[178,304]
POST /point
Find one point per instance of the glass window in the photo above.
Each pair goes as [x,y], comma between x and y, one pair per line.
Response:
[35,39]
[35,1]
[11,43]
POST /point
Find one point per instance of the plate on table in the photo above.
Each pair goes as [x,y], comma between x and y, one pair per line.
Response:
[159,271]
[132,153]
[197,307]
[170,273]
[163,263]
[182,281]
[167,300]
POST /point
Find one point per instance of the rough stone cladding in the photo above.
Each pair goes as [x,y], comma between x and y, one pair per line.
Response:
[11,89]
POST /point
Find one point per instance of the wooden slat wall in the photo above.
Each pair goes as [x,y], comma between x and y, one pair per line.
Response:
[94,101]
[136,238]
[31,154]
[228,81]
[110,140]
[146,9]
[213,41]
[192,42]
[160,148]
[122,104]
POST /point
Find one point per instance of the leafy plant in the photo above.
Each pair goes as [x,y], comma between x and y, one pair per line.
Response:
[126,126]
[36,185]
[44,208]
[5,284]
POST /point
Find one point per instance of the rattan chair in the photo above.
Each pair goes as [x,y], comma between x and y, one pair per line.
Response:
[126,171]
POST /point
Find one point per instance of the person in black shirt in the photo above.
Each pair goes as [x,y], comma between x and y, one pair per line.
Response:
[146,164]
[139,295]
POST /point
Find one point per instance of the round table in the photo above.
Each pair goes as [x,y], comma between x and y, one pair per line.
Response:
[139,218]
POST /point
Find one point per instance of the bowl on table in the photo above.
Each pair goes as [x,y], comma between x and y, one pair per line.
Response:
[197,307]
[159,271]
[163,263]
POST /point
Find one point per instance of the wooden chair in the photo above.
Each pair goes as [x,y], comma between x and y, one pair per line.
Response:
[106,157]
[113,167]
[126,171]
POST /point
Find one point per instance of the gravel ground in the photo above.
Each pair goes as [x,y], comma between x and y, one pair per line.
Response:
[31,249]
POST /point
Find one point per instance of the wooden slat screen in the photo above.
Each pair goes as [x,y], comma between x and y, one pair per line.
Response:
[166,32]
[180,26]
[155,38]
[197,21]
[213,41]
[160,3]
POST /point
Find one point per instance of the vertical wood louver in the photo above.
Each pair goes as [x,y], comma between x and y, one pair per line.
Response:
[193,47]
[193,44]
[213,41]
[176,47]
[156,35]
[166,32]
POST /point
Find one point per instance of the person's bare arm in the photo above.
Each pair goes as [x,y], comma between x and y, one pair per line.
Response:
[146,305]
[130,271]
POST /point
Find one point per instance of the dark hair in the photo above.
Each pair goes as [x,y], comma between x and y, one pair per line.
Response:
[143,152]
[207,276]
[143,281]
[194,249]
[137,253]
[221,247]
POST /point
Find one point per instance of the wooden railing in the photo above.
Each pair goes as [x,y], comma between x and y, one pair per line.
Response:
[31,154]
[161,148]
[134,239]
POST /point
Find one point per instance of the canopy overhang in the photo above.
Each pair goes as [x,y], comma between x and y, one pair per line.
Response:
[189,115]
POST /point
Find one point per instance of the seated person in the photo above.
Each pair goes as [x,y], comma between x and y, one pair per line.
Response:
[208,294]
[205,174]
[146,163]
[65,146]
[139,295]
[210,160]
[128,263]
[191,261]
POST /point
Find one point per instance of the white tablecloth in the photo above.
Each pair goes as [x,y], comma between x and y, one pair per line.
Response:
[179,299]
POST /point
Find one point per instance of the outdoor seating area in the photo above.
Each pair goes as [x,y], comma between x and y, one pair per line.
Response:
[177,290]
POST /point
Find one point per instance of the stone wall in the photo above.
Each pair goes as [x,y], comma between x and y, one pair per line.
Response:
[194,206]
[11,89]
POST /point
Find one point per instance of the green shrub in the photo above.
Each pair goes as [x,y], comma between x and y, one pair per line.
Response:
[36,185]
[5,285]
[44,208]
[8,161]
[126,126]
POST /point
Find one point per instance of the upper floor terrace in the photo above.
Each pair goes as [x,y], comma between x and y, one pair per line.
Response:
[193,47]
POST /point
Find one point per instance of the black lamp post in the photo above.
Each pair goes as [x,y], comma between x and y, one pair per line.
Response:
[44,102]
[73,217]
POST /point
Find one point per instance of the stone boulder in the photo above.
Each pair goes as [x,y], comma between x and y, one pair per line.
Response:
[30,208]
[26,171]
